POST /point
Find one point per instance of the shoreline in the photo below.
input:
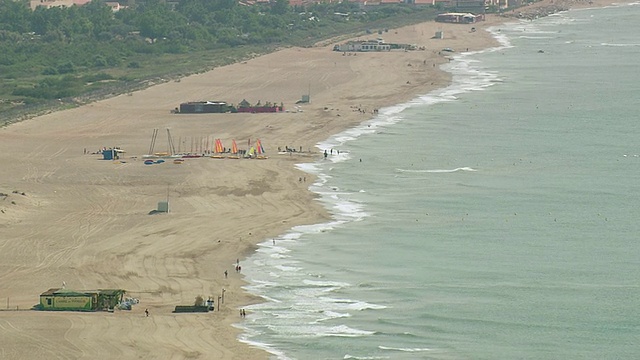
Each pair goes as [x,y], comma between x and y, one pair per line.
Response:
[308,168]
[147,258]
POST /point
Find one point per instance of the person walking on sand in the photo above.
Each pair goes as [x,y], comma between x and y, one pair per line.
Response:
[226,274]
[146,312]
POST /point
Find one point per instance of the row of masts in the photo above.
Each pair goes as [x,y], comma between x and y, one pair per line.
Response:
[198,145]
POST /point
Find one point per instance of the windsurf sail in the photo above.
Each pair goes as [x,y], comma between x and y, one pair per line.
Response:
[219,147]
[259,147]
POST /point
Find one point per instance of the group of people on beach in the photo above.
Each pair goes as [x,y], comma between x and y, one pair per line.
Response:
[289,149]
[330,151]
[361,110]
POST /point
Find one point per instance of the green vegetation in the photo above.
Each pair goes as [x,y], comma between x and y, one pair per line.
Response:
[61,57]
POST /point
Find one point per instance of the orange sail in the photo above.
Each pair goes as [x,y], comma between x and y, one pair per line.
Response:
[234,147]
[219,147]
[259,147]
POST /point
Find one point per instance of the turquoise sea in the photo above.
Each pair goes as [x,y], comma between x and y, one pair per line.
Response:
[498,218]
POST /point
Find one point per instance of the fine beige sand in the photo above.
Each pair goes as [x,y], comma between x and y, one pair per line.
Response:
[67,216]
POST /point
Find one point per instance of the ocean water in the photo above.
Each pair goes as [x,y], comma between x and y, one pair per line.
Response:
[495,219]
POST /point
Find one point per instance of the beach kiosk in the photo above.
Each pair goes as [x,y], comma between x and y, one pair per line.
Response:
[74,300]
[63,299]
[111,153]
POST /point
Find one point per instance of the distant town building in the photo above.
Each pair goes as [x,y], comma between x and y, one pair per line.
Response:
[114,5]
[459,18]
[194,107]
[56,3]
[372,45]
[503,4]
[367,45]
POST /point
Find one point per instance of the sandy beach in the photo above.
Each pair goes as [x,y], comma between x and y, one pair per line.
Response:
[67,216]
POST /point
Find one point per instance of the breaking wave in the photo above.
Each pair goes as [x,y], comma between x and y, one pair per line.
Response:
[438,170]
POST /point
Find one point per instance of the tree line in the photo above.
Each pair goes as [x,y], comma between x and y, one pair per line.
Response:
[51,53]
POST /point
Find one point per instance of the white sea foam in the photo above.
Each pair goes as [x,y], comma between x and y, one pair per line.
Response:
[317,331]
[437,170]
[291,235]
[264,297]
[536,37]
[350,209]
[559,18]
[347,304]
[347,356]
[337,284]
[403,349]
[330,315]
[245,338]
[316,228]
[263,284]
[502,39]
[287,268]
[313,293]
[333,315]
[619,45]
[273,251]
[343,330]
[311,168]
[466,77]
